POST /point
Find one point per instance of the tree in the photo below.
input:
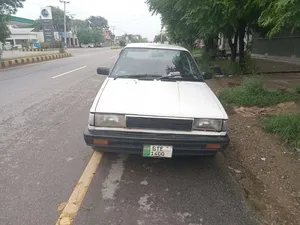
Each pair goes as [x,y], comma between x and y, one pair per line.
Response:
[187,21]
[7,8]
[98,22]
[80,24]
[4,32]
[38,25]
[133,38]
[58,19]
[279,14]
[158,38]
[88,35]
[97,36]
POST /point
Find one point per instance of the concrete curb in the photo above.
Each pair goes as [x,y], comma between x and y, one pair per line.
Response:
[32,59]
[33,50]
[115,47]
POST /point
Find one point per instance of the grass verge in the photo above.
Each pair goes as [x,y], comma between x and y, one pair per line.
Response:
[252,93]
[198,51]
[287,126]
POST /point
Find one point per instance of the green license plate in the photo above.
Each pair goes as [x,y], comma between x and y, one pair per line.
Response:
[158,151]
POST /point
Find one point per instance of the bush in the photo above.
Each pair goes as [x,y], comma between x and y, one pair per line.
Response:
[287,126]
[48,45]
[253,93]
[122,43]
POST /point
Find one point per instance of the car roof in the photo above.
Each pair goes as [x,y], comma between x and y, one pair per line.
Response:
[155,46]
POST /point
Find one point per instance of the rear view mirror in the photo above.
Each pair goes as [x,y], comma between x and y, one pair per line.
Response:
[103,70]
[207,76]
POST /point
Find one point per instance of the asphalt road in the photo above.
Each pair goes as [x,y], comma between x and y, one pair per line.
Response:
[43,112]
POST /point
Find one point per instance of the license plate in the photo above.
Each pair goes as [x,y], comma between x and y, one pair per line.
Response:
[160,151]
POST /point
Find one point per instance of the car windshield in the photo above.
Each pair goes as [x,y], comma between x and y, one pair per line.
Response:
[152,63]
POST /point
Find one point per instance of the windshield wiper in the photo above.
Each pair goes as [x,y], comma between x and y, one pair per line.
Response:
[137,76]
[184,77]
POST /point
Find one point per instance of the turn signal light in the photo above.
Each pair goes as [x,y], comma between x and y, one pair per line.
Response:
[100,142]
[213,146]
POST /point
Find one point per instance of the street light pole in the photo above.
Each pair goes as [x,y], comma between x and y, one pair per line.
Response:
[65,20]
[161,35]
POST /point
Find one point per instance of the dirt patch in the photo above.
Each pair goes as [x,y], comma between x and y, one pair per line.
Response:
[266,169]
[287,107]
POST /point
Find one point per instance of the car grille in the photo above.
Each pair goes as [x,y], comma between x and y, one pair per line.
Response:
[159,123]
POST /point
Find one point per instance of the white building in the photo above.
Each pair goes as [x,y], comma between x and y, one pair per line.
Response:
[22,34]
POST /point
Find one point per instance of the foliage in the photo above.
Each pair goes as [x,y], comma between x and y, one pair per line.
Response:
[279,14]
[88,35]
[4,32]
[122,43]
[253,93]
[10,7]
[187,21]
[7,8]
[158,37]
[85,36]
[80,24]
[58,19]
[133,38]
[97,36]
[98,22]
[49,45]
[38,25]
[287,126]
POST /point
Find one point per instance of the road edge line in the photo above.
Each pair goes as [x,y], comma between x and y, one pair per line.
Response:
[71,209]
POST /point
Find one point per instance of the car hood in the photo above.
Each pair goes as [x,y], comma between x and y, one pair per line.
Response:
[159,98]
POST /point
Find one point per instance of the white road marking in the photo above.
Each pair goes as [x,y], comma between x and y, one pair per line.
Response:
[113,57]
[111,183]
[69,72]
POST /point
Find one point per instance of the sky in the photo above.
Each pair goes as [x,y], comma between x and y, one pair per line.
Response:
[126,16]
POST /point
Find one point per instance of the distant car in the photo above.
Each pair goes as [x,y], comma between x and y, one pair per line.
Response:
[98,45]
[90,45]
[7,46]
[155,103]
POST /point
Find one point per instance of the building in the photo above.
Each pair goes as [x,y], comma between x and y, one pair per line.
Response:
[23,34]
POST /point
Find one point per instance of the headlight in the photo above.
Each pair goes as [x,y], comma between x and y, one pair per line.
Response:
[109,120]
[208,125]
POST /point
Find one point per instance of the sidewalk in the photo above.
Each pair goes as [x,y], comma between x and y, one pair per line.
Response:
[18,54]
[290,60]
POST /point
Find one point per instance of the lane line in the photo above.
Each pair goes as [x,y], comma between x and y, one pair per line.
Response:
[69,72]
[71,209]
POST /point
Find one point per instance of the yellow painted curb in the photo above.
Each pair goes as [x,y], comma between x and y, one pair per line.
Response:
[73,205]
[21,61]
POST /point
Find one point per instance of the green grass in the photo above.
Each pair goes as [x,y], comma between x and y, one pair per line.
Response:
[287,126]
[198,51]
[253,93]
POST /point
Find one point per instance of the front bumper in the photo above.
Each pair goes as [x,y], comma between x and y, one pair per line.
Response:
[132,142]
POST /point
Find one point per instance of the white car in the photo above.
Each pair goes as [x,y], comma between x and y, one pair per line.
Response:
[155,103]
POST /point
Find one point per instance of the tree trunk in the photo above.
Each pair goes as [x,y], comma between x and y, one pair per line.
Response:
[242,30]
[233,46]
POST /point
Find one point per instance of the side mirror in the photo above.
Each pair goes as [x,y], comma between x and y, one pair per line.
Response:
[103,70]
[207,76]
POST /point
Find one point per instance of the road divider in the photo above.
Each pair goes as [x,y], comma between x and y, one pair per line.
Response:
[73,205]
[32,59]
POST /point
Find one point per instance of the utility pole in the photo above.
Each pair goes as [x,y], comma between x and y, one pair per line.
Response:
[65,19]
[72,16]
[161,34]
